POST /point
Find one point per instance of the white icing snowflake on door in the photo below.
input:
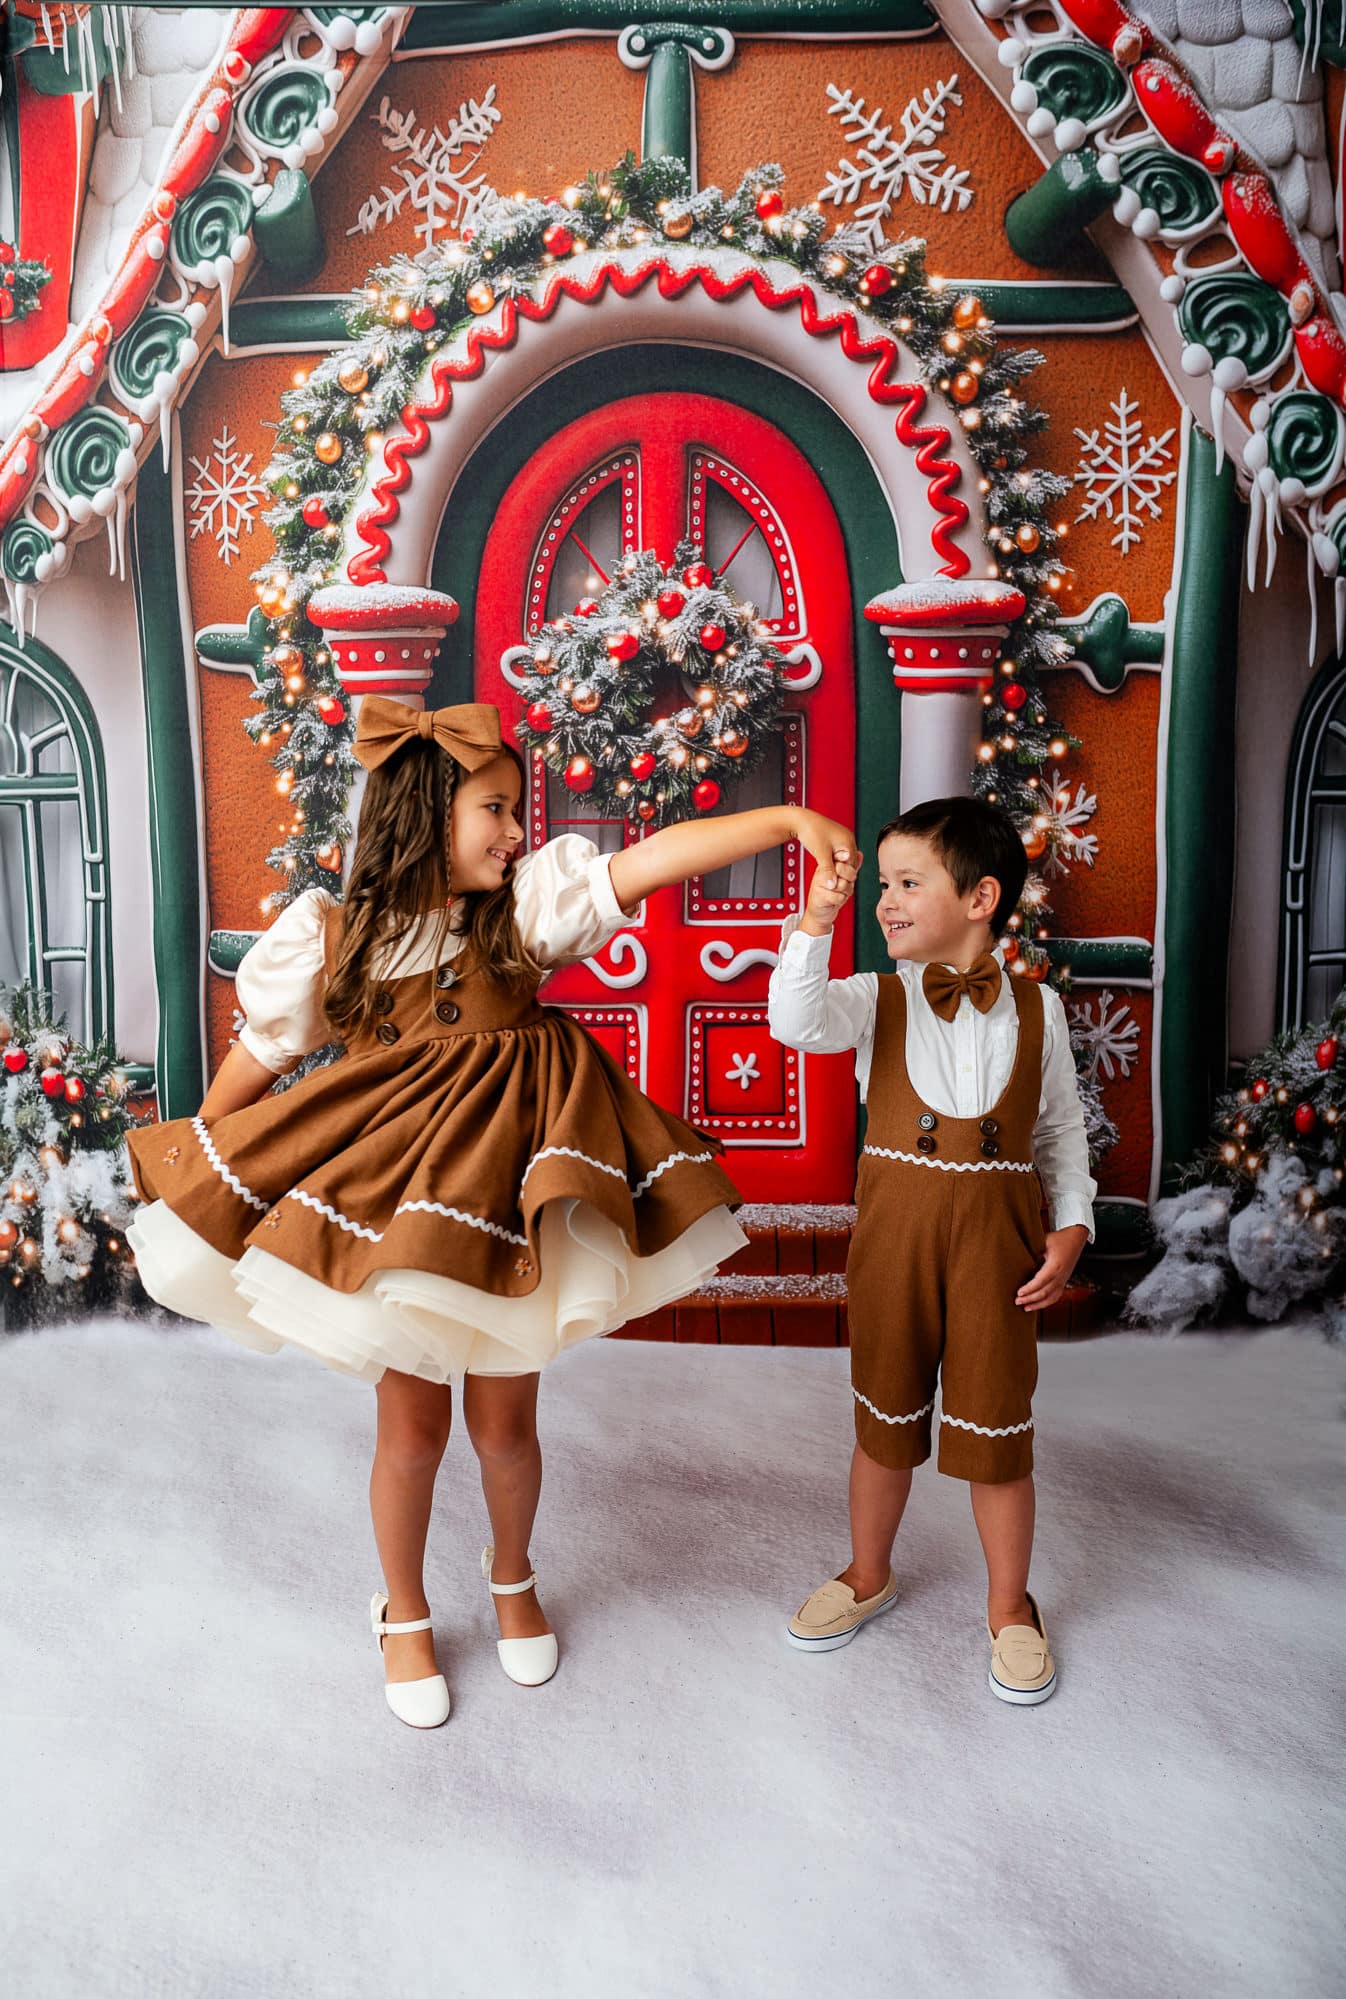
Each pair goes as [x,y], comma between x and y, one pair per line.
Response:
[225,494]
[1124,477]
[742,1070]
[1107,1039]
[436,182]
[887,165]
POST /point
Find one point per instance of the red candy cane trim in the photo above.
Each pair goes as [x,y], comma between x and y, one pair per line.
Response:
[203,142]
[930,441]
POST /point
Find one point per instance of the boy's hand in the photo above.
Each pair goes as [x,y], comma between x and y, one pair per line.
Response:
[1063,1253]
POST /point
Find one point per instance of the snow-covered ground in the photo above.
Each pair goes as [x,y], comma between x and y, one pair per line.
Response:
[205,1793]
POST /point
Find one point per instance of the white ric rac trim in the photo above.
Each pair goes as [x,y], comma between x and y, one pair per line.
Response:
[230,1179]
[404,1207]
[955,1165]
[914,1417]
[569,1152]
[1011,1430]
[673,1159]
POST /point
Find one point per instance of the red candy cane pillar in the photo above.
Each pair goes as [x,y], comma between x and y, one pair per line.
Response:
[384,639]
[944,640]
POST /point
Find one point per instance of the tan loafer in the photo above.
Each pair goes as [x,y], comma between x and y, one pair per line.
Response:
[832,1615]
[1023,1670]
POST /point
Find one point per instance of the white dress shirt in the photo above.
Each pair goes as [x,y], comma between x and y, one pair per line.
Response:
[960,1068]
[564,903]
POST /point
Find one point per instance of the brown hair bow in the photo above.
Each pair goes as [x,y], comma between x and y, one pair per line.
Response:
[469,733]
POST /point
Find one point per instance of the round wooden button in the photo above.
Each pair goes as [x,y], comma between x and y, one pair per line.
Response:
[989,1126]
[383,1002]
[927,1120]
[387,1033]
[446,1011]
[990,1147]
[925,1143]
[445,976]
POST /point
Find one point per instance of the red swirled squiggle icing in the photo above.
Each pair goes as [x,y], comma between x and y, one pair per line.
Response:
[930,440]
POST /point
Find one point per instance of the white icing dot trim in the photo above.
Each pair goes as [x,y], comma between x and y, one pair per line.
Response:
[914,1417]
[404,1208]
[1011,1430]
[955,1165]
[230,1179]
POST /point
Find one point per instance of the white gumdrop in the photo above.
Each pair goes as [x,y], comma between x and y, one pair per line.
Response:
[124,465]
[1260,414]
[367,37]
[80,509]
[1127,206]
[1255,453]
[1196,359]
[239,248]
[45,566]
[1011,52]
[189,353]
[1172,289]
[993,10]
[1023,98]
[1109,168]
[1146,224]
[1230,373]
[1070,135]
[1268,481]
[293,156]
[194,315]
[327,119]
[1293,491]
[105,502]
[341,32]
[310,141]
[1040,123]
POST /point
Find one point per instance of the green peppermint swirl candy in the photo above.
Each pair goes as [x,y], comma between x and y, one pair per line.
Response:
[20,548]
[1335,529]
[210,220]
[82,458]
[1182,194]
[148,348]
[1231,314]
[1305,439]
[284,107]
[1073,81]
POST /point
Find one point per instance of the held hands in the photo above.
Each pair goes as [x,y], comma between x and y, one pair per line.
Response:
[1063,1253]
[833,848]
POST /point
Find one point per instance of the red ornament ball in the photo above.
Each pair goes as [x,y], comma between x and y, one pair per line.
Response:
[645,810]
[623,645]
[642,765]
[586,607]
[16,1059]
[770,202]
[9,1235]
[558,240]
[6,305]
[706,795]
[1013,695]
[6,253]
[1325,1054]
[1306,1119]
[711,637]
[579,774]
[422,317]
[876,281]
[670,603]
[315,514]
[539,718]
[698,576]
[331,710]
[53,1083]
[1259,1089]
[74,1089]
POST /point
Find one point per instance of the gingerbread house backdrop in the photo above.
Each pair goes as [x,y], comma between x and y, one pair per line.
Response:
[198,196]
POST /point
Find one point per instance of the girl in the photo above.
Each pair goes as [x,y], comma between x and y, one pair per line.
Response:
[475,1185]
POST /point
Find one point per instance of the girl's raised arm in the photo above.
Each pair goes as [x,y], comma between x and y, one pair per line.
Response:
[697,847]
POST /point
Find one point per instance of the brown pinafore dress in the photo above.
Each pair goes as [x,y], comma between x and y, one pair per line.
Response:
[949,1226]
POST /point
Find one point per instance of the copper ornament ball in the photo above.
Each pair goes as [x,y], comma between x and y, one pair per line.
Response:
[967,311]
[480,297]
[586,699]
[352,376]
[327,448]
[963,387]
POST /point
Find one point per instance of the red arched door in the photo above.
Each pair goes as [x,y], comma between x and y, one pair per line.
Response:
[680,996]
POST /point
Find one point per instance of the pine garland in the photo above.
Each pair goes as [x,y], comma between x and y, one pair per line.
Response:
[66,1193]
[412,306]
[21,281]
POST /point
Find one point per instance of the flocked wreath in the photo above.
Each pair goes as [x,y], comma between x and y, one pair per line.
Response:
[654,639]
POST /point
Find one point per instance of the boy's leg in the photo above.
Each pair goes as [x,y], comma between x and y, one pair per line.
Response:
[878,1499]
[1004,1515]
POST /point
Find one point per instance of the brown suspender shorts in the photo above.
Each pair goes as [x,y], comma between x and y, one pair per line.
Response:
[949,1227]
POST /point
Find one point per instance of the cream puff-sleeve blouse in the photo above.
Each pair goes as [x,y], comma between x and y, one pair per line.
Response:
[563,898]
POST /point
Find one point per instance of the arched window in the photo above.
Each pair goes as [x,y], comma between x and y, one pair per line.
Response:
[54,928]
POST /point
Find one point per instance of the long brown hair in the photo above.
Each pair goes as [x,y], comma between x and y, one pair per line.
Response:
[402,871]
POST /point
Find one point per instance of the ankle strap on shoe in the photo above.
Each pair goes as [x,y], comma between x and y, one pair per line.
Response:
[396,1630]
[511,1589]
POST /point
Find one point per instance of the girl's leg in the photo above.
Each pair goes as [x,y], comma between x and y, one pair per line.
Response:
[878,1498]
[501,1416]
[1004,1515]
[414,1418]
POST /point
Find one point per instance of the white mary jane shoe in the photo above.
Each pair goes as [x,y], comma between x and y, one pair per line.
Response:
[419,1703]
[529,1662]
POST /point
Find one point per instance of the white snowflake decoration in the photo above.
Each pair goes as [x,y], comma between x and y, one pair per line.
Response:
[436,183]
[743,1070]
[1066,845]
[888,165]
[1124,477]
[1108,1039]
[225,494]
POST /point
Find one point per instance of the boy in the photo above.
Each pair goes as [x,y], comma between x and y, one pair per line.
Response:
[970,1086]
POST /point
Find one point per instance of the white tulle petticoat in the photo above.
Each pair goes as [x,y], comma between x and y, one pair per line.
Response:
[420,1323]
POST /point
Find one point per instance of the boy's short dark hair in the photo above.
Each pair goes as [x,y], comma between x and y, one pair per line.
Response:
[972,839]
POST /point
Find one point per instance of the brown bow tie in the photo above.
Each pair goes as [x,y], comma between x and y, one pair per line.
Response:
[944,988]
[469,733]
